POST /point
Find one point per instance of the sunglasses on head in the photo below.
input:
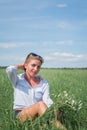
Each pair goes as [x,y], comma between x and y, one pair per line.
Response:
[35,55]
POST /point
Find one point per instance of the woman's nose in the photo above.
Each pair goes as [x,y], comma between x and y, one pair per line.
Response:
[36,68]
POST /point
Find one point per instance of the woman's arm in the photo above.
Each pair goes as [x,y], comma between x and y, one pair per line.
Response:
[46,96]
[12,73]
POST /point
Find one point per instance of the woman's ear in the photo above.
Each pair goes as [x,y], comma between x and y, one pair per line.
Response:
[25,66]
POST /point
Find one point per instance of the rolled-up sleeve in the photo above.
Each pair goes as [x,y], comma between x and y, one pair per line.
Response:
[46,96]
[12,74]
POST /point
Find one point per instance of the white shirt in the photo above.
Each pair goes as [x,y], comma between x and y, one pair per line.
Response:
[24,94]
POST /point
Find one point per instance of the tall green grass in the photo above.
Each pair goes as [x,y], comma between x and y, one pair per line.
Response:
[71,82]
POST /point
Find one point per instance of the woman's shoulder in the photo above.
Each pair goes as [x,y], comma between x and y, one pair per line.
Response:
[21,76]
[11,68]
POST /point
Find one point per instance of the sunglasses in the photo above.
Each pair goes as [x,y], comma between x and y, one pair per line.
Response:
[35,55]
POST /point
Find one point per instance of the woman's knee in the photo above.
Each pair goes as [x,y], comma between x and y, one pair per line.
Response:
[41,103]
[42,108]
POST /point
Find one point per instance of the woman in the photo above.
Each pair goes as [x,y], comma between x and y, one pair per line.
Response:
[31,92]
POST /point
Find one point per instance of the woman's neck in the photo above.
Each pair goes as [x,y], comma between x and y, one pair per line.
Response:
[33,81]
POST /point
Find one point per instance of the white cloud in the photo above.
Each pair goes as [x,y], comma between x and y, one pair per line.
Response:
[18,19]
[49,58]
[25,44]
[62,5]
[7,45]
[65,42]
[66,57]
[11,59]
[14,45]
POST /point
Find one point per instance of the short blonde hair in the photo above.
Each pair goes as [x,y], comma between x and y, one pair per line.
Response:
[34,56]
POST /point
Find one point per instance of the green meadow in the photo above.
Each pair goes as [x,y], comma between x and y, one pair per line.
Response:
[68,90]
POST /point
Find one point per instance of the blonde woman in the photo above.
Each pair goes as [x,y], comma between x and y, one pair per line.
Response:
[31,92]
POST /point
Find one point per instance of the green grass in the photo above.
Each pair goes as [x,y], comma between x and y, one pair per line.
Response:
[66,86]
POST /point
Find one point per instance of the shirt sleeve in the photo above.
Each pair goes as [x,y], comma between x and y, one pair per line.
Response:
[46,96]
[12,74]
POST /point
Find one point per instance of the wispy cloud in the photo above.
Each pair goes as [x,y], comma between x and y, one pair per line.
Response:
[66,57]
[42,43]
[61,5]
[12,59]
[7,45]
[56,43]
[65,42]
[14,45]
[19,19]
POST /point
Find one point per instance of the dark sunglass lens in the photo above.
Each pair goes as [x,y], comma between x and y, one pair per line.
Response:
[33,54]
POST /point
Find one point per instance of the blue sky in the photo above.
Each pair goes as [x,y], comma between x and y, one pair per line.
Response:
[54,29]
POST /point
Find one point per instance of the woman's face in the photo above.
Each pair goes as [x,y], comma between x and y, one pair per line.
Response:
[32,67]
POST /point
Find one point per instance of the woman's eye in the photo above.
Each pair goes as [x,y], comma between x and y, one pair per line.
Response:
[38,67]
[33,65]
